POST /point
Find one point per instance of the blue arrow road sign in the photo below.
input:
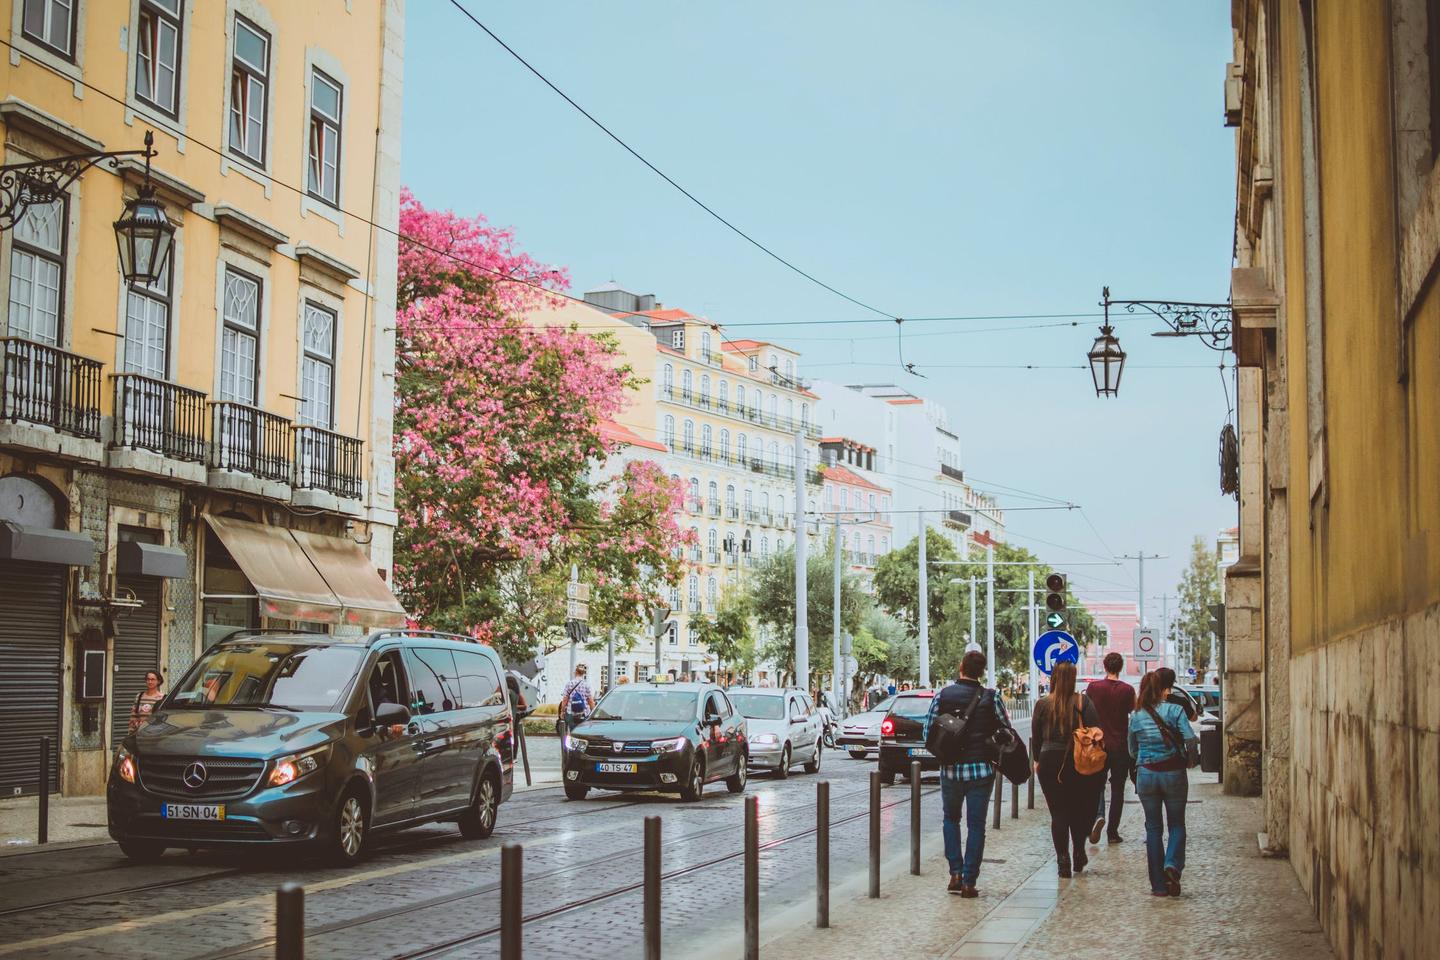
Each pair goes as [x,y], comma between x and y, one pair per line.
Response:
[1052,648]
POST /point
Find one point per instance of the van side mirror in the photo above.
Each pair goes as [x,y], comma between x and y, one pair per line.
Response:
[389,714]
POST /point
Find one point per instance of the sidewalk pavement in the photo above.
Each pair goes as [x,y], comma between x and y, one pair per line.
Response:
[71,819]
[1234,904]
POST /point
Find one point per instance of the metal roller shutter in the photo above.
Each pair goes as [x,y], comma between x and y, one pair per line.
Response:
[32,598]
[137,649]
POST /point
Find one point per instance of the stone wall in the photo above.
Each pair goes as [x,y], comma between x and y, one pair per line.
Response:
[1241,685]
[1365,779]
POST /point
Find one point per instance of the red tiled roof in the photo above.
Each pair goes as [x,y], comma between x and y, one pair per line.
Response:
[904,401]
[744,344]
[671,350]
[841,475]
[612,432]
[664,315]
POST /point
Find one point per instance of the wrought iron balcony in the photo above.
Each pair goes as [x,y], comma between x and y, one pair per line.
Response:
[326,460]
[954,473]
[48,386]
[249,440]
[161,417]
[713,508]
[958,518]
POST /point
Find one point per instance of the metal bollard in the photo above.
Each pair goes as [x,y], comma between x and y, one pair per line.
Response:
[290,922]
[874,834]
[44,825]
[998,793]
[822,854]
[752,878]
[915,817]
[652,888]
[512,898]
[1014,801]
[1030,790]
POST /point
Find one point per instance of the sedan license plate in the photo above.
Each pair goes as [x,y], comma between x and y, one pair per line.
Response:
[193,811]
[615,768]
[919,752]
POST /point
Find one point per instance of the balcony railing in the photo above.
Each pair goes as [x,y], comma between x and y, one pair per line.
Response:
[732,512]
[953,472]
[692,504]
[326,460]
[713,508]
[48,386]
[161,417]
[958,518]
[748,413]
[712,556]
[249,440]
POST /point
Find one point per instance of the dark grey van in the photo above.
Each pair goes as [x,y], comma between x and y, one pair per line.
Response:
[284,738]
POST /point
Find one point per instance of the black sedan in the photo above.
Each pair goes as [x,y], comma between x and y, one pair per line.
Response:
[902,736]
[673,737]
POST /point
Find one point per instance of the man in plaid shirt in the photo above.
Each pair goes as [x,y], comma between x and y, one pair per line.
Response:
[966,785]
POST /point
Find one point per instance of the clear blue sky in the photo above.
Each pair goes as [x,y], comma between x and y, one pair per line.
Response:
[931,158]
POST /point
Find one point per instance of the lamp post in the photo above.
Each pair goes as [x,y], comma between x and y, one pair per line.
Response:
[143,233]
[1211,322]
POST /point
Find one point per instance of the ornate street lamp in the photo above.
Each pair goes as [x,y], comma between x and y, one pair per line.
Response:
[143,232]
[1211,322]
[1107,360]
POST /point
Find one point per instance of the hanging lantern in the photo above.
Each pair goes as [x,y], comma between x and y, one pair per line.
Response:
[1107,362]
[144,233]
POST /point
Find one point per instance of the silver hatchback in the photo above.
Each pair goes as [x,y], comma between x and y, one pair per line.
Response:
[784,728]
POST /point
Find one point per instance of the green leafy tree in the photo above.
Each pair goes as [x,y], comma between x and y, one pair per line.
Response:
[882,648]
[772,596]
[728,634]
[1199,588]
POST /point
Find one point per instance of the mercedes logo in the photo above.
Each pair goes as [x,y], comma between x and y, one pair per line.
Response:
[195,775]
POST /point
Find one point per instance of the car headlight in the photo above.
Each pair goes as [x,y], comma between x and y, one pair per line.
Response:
[576,743]
[765,738]
[126,766]
[670,746]
[296,765]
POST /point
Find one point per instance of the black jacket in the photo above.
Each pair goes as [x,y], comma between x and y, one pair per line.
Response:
[955,699]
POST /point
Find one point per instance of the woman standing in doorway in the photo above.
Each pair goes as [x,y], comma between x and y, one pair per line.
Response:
[1071,797]
[1159,732]
[145,701]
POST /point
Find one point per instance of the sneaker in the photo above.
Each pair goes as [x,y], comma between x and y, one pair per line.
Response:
[1114,838]
[955,886]
[1172,881]
[968,891]
[1096,830]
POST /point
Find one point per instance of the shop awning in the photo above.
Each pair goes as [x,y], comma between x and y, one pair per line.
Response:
[151,560]
[364,597]
[44,545]
[309,576]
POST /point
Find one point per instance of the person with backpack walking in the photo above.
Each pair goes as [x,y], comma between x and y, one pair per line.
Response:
[1065,741]
[1114,700]
[576,700]
[967,766]
[1159,734]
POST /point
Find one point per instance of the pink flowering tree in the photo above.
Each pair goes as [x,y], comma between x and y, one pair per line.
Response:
[497,437]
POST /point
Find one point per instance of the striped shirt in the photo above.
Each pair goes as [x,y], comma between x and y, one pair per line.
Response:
[974,769]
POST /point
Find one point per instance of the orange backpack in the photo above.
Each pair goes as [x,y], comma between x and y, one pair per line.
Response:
[1089,747]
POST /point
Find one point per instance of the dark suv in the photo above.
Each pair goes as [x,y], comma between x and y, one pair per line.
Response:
[902,736]
[283,738]
[657,736]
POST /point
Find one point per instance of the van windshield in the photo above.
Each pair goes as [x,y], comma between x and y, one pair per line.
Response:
[267,673]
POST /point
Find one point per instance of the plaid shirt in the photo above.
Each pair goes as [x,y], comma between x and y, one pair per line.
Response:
[975,769]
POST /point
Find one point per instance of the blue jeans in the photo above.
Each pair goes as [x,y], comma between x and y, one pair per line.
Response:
[1163,792]
[974,797]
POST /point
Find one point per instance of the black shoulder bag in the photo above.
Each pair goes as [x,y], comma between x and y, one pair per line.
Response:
[1181,759]
[1012,759]
[946,737]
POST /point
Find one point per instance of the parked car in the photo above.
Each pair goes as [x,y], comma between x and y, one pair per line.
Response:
[902,736]
[860,733]
[1208,697]
[675,737]
[784,727]
[284,738]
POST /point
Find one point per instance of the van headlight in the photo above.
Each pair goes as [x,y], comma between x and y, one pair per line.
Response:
[296,765]
[126,766]
[673,745]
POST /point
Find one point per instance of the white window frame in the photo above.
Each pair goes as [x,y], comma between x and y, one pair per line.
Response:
[162,17]
[22,46]
[312,358]
[144,110]
[48,10]
[259,16]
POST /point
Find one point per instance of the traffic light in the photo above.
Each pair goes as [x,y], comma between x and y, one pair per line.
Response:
[1055,592]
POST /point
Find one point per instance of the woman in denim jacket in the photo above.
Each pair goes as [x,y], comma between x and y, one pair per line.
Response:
[1160,780]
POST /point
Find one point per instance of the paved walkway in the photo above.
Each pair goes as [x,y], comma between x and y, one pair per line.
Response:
[1236,904]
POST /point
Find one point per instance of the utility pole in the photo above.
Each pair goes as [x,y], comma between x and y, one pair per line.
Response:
[1165,631]
[973,631]
[990,612]
[1141,557]
[835,616]
[1033,622]
[923,603]
[802,612]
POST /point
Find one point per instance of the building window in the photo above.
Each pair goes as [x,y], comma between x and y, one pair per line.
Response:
[705,389]
[724,396]
[324,177]
[37,272]
[672,629]
[740,398]
[805,414]
[753,363]
[157,54]
[147,328]
[724,444]
[51,23]
[687,384]
[249,91]
[669,432]
[689,444]
[677,339]
[713,540]
[705,437]
[705,346]
[667,379]
[740,449]
[240,338]
[712,590]
[730,495]
[713,498]
[317,372]
[774,454]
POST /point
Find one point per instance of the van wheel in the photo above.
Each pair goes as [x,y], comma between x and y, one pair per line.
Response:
[349,830]
[813,764]
[142,851]
[478,822]
[575,791]
[735,783]
[694,786]
[783,771]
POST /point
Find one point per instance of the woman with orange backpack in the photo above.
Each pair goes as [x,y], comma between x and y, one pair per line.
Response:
[1159,734]
[1068,748]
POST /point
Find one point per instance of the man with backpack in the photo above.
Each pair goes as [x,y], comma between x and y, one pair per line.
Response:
[576,700]
[964,743]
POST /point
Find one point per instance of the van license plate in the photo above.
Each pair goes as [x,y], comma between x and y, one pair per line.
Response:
[615,768]
[193,811]
[919,752]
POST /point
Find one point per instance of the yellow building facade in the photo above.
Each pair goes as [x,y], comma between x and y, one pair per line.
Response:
[213,450]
